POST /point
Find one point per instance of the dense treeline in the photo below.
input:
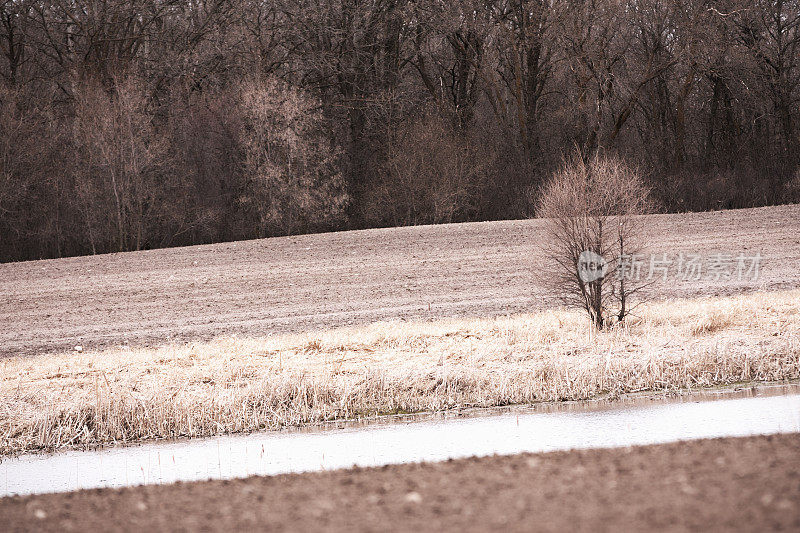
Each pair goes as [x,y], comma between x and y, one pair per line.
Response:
[129,124]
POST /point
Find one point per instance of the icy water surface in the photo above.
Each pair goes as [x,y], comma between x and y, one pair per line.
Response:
[753,411]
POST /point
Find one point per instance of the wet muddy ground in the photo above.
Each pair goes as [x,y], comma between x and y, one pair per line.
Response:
[733,484]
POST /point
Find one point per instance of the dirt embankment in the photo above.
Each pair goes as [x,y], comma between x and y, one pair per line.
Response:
[294,284]
[746,484]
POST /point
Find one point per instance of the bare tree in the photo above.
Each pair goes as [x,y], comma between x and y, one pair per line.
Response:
[120,159]
[593,232]
[14,19]
[35,216]
[295,181]
[449,41]
[430,175]
[770,32]
[706,95]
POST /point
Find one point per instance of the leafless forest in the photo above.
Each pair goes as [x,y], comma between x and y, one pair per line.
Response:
[137,124]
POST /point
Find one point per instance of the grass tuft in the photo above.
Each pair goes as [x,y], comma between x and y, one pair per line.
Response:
[714,321]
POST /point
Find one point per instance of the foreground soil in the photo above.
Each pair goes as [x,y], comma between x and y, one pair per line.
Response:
[313,282]
[743,484]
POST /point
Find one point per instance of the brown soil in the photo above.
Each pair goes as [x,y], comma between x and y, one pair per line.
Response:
[747,484]
[320,281]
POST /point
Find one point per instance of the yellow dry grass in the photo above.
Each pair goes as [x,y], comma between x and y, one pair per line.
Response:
[233,384]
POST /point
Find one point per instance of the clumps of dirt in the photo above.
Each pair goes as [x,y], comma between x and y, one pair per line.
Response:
[734,484]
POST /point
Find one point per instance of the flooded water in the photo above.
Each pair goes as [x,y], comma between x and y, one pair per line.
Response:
[763,410]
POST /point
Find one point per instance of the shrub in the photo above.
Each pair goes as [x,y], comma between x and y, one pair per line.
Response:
[431,174]
[592,230]
[295,183]
[121,165]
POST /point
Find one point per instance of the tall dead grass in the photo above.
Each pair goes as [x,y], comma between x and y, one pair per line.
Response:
[233,384]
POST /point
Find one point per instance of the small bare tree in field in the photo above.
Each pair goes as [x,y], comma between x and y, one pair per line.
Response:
[593,234]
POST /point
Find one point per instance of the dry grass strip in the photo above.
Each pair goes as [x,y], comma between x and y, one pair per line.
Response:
[232,385]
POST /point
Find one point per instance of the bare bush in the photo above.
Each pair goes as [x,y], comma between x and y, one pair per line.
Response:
[292,167]
[35,215]
[204,141]
[593,235]
[120,163]
[16,154]
[431,175]
[794,187]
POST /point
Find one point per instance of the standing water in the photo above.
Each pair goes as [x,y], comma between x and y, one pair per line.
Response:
[538,428]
